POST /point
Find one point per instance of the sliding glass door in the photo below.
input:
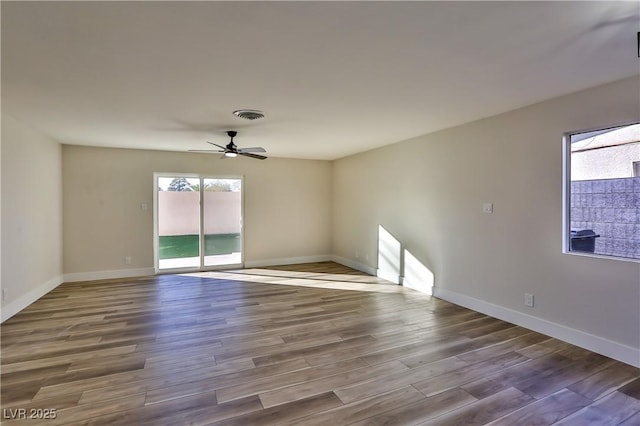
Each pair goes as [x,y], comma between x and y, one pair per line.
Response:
[222,225]
[198,222]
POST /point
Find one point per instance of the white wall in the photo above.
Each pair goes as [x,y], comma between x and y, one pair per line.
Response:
[428,193]
[287,207]
[31,215]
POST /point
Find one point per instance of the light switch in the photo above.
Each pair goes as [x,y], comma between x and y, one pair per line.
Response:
[144,207]
[487,207]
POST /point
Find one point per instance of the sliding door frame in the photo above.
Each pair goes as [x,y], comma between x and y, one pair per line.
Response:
[201,213]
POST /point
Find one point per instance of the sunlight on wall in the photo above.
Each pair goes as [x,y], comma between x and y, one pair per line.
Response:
[400,266]
[388,256]
[416,275]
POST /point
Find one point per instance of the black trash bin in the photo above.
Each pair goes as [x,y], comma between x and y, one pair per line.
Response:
[583,240]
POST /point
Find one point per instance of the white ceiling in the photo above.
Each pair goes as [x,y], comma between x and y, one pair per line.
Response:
[333,78]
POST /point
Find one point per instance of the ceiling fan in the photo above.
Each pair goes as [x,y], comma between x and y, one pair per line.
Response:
[231,150]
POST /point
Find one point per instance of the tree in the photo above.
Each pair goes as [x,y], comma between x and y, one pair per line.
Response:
[180,184]
[218,186]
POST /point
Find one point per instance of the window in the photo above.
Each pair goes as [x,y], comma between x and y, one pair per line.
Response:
[602,192]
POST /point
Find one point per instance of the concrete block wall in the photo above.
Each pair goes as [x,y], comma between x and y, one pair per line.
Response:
[611,207]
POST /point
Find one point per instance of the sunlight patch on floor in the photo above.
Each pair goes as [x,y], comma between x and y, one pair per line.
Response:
[364,283]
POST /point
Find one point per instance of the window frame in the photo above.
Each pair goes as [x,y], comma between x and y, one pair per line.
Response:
[566,194]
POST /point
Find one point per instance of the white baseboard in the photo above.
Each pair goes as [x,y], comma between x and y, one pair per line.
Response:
[107,275]
[12,308]
[600,345]
[286,261]
[354,265]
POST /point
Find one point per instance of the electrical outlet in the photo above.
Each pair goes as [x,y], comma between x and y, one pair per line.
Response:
[357,254]
[528,300]
[487,207]
[127,260]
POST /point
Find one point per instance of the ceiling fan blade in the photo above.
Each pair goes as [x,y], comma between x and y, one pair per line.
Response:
[219,146]
[252,149]
[259,157]
[212,151]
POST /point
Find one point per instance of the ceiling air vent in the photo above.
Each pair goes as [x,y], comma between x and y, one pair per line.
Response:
[249,114]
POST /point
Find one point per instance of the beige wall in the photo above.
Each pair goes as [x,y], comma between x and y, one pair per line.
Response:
[428,193]
[179,212]
[31,214]
[286,209]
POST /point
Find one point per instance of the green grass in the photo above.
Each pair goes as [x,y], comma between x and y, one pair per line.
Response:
[176,246]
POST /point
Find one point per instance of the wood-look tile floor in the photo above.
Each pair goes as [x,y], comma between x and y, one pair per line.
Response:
[315,344]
